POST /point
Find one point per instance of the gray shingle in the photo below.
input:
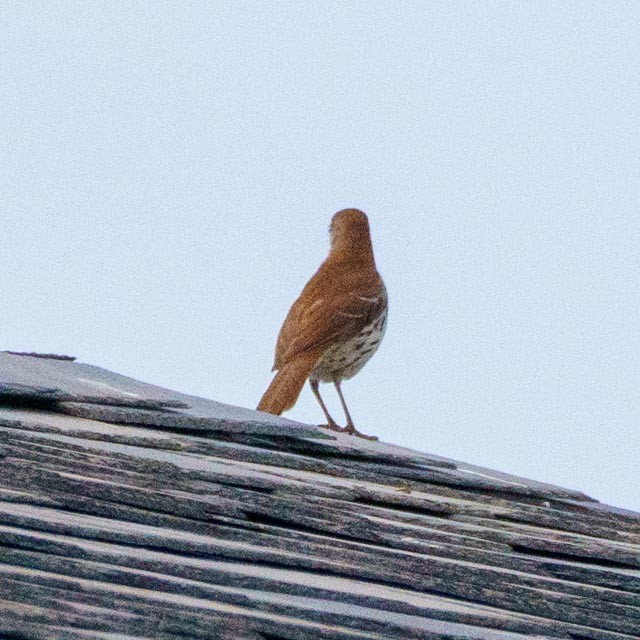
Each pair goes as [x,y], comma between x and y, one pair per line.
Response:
[131,511]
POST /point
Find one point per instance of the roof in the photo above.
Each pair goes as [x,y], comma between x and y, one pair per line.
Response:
[130,511]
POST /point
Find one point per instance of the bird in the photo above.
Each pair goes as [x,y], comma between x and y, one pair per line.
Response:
[335,325]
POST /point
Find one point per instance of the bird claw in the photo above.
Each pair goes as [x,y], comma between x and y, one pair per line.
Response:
[349,429]
[333,426]
[352,431]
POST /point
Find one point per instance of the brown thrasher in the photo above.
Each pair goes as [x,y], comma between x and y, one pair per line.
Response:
[336,324]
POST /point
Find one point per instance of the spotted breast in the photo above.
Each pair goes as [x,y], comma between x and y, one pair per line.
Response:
[344,359]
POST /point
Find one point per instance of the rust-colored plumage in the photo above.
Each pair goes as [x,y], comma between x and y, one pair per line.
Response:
[336,324]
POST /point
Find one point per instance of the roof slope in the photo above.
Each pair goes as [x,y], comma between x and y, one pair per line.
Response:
[129,511]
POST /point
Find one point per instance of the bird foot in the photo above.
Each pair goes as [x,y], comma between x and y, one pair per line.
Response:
[352,431]
[349,429]
[333,426]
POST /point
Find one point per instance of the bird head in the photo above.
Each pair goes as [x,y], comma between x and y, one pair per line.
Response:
[349,231]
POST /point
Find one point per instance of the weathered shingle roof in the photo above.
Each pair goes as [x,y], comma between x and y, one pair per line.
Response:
[130,511]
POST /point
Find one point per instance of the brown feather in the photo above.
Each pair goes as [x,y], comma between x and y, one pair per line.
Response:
[319,320]
[287,384]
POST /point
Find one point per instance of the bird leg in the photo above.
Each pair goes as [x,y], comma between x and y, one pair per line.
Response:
[350,428]
[331,423]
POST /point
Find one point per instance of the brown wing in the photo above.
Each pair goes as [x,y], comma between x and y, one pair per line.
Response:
[334,306]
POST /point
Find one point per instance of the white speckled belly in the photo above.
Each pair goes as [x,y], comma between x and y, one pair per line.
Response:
[342,361]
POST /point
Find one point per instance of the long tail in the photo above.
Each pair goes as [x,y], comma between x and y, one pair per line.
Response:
[287,384]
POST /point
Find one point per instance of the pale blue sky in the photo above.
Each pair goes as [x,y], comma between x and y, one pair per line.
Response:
[169,171]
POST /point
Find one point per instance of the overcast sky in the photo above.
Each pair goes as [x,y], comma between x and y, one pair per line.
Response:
[169,171]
